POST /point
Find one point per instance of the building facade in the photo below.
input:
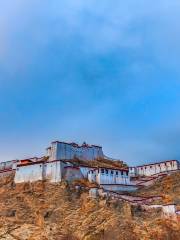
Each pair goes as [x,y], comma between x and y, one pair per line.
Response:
[154,168]
[109,176]
[67,151]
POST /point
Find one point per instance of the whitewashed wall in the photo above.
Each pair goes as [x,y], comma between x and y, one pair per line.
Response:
[152,169]
[53,171]
[169,209]
[66,151]
[92,176]
[116,187]
[85,171]
[29,173]
[132,171]
[109,176]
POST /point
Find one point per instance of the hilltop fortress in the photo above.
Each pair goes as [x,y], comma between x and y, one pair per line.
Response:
[69,151]
[70,161]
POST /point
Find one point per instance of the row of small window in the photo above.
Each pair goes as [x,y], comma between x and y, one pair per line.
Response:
[159,165]
[106,171]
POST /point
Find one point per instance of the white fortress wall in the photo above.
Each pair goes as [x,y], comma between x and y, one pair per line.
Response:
[67,151]
[85,171]
[111,176]
[116,187]
[53,171]
[29,173]
[154,168]
[92,176]
[169,209]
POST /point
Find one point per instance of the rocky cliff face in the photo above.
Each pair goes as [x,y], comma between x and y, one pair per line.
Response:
[42,211]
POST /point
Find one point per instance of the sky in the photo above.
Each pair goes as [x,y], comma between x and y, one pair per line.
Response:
[104,72]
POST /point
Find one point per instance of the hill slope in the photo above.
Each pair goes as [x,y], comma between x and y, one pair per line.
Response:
[168,187]
[42,211]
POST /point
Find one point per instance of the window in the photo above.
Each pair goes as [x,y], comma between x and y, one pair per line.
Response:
[102,170]
[106,171]
[126,173]
[121,172]
[112,172]
[116,173]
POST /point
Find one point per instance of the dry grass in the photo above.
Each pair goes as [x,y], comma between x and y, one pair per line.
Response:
[44,211]
[100,162]
[168,187]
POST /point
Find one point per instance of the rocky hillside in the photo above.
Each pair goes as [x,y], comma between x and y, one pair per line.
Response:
[42,211]
[168,187]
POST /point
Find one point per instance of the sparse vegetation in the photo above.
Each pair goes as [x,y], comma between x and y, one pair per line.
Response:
[43,211]
[100,162]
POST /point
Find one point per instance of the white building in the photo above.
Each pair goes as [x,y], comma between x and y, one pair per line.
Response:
[67,151]
[112,179]
[29,172]
[58,166]
[109,176]
[154,168]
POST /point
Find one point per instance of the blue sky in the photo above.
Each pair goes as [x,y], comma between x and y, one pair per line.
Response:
[105,72]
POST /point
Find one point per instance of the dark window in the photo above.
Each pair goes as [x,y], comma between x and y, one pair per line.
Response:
[102,170]
[126,173]
[112,172]
[121,172]
[116,173]
[106,171]
[150,166]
